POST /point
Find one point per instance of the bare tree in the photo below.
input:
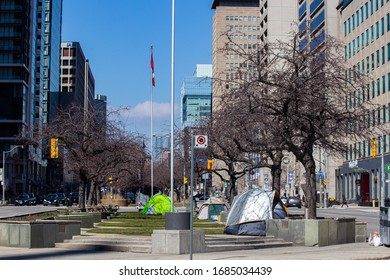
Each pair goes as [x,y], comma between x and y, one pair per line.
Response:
[90,149]
[301,98]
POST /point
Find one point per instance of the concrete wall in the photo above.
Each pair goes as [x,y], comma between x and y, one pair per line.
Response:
[177,242]
[37,234]
[87,218]
[320,232]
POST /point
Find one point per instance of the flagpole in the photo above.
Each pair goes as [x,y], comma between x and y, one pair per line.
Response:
[172,96]
[151,131]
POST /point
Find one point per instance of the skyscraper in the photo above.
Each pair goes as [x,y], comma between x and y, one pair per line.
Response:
[77,81]
[246,25]
[19,49]
[161,145]
[365,31]
[234,17]
[49,23]
[196,96]
[317,19]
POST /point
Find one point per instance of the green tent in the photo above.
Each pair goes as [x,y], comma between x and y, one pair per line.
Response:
[157,205]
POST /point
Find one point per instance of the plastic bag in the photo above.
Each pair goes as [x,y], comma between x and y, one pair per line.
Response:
[374,239]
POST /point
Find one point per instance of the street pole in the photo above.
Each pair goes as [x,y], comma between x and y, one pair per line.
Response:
[326,177]
[321,186]
[191,194]
[172,97]
[3,202]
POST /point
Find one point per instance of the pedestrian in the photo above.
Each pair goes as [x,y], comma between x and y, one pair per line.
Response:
[344,202]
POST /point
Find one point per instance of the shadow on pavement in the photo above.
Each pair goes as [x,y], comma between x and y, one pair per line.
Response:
[50,255]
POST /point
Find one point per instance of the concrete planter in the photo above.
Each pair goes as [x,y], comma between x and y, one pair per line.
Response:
[87,218]
[36,234]
[319,232]
[177,242]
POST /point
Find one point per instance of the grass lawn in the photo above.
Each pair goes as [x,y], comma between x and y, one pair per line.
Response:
[137,223]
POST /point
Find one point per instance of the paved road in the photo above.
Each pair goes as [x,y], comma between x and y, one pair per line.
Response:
[13,211]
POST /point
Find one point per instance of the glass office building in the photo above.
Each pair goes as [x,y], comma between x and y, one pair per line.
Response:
[196,96]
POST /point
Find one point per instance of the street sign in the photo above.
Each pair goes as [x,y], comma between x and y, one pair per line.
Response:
[201,141]
[201,160]
[387,168]
[320,175]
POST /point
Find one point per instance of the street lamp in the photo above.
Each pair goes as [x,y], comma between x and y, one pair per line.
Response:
[5,152]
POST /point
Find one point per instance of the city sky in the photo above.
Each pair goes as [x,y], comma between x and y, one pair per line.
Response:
[116,37]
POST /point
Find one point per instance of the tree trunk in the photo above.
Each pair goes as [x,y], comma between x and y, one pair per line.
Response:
[83,181]
[276,172]
[310,191]
[233,190]
[91,194]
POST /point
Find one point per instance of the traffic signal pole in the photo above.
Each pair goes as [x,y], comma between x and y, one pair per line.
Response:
[382,186]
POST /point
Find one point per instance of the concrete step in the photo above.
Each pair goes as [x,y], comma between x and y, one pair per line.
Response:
[143,243]
[217,243]
[236,247]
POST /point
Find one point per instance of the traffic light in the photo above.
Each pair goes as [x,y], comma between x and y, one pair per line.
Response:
[110,180]
[324,182]
[373,147]
[210,164]
[54,148]
[185,180]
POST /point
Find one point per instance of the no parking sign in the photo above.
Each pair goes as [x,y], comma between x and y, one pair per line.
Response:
[201,141]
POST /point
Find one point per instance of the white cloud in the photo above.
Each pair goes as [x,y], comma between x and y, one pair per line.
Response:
[137,118]
[142,111]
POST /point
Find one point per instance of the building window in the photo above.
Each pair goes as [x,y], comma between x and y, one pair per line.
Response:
[371,7]
[377,29]
[388,51]
[382,26]
[378,87]
[377,58]
[383,55]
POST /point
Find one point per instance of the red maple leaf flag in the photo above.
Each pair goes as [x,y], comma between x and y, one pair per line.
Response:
[152,65]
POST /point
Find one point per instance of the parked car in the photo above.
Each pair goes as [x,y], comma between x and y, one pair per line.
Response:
[51,199]
[294,201]
[61,198]
[284,199]
[40,198]
[22,199]
[73,198]
[201,197]
[33,199]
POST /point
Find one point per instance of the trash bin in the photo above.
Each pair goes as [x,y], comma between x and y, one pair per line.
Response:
[177,221]
[384,224]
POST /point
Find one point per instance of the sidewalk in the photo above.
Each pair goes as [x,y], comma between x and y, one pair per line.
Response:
[352,251]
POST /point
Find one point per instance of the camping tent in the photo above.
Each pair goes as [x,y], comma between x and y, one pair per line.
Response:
[211,208]
[158,204]
[250,211]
